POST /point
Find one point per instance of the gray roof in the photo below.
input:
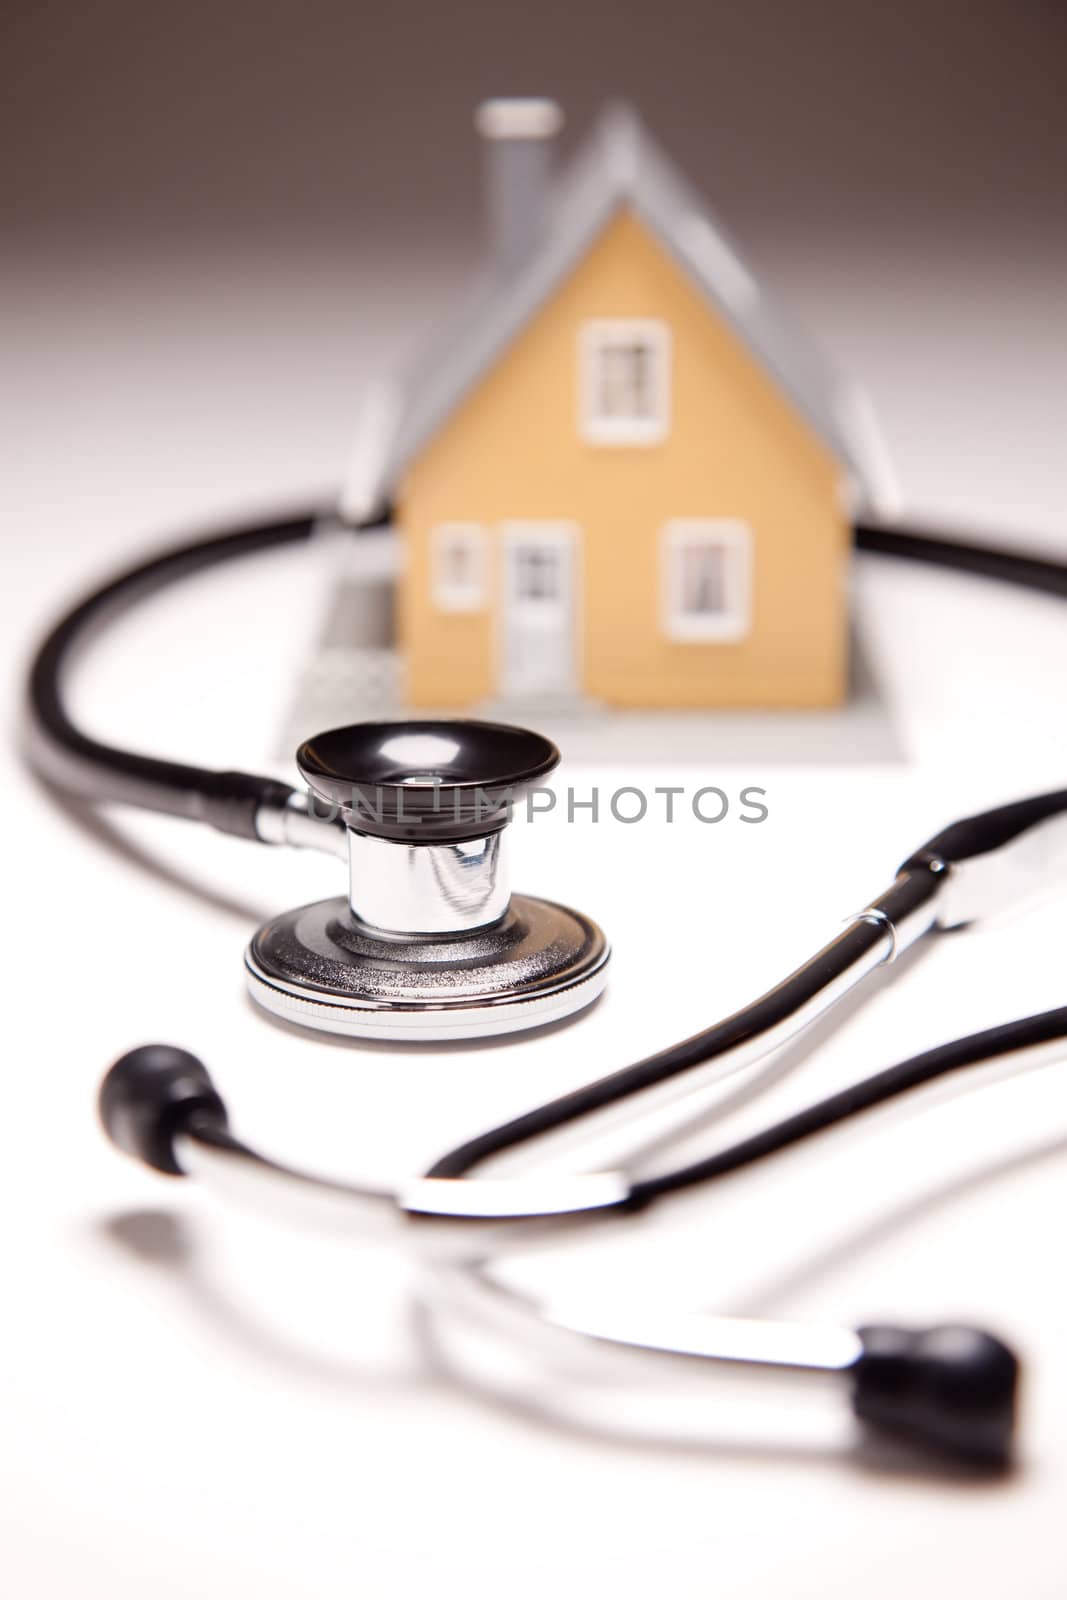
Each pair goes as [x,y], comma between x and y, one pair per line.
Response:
[621,166]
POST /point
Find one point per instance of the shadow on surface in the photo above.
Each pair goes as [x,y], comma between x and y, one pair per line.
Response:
[98,827]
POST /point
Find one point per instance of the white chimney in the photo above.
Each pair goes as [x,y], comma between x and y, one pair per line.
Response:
[518,137]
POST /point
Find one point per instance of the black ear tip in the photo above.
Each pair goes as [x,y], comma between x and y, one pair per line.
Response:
[953,1389]
[148,1096]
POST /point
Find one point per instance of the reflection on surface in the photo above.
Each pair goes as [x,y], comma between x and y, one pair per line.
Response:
[421,752]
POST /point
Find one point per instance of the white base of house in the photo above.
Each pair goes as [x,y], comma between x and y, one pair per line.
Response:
[341,685]
[344,685]
[537,708]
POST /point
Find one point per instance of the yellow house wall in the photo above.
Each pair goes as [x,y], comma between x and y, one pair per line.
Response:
[736,448]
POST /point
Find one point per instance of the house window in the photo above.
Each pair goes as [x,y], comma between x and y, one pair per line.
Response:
[706,574]
[625,381]
[537,573]
[459,566]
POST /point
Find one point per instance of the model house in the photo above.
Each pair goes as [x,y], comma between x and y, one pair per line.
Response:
[621,477]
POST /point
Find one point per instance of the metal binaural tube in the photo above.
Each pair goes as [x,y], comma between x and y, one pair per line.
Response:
[643,1334]
[457,1221]
[596,1122]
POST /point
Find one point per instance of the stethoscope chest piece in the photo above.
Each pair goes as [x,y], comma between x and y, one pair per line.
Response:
[428,944]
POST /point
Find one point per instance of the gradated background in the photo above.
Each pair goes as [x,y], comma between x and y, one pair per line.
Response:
[254,204]
[219,220]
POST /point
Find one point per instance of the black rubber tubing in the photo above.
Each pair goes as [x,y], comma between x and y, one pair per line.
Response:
[88,770]
[1008,1038]
[85,769]
[1029,572]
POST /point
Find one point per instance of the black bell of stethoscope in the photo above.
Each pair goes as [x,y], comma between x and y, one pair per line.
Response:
[429,943]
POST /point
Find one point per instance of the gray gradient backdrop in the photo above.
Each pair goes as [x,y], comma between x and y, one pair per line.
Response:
[222,217]
[218,220]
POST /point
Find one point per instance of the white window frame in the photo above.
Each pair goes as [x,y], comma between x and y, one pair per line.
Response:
[447,594]
[600,334]
[734,537]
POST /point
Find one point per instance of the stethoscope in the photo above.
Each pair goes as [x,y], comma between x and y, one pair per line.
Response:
[429,943]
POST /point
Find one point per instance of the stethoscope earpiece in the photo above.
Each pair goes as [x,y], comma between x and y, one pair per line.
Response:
[429,944]
[951,1389]
[150,1096]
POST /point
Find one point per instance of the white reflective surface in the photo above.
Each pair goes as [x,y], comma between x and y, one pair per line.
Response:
[330,1422]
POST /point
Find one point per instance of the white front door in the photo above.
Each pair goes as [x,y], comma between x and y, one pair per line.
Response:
[538,613]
